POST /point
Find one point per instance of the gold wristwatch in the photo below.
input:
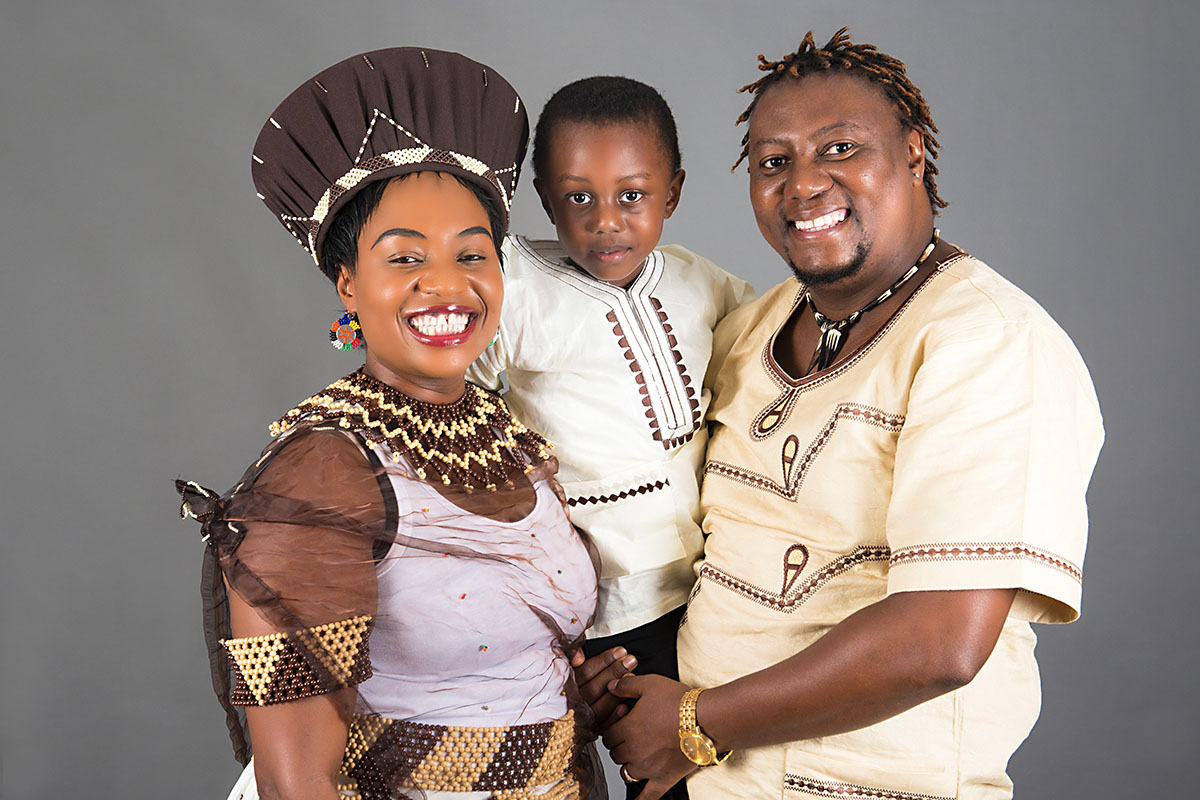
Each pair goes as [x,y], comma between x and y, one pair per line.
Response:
[696,746]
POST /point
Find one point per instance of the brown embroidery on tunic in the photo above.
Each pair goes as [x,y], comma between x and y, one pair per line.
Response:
[794,467]
[668,442]
[688,605]
[287,666]
[796,593]
[986,551]
[776,413]
[645,488]
[771,417]
[646,339]
[817,788]
[794,561]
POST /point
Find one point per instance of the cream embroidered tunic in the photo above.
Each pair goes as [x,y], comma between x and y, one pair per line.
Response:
[951,451]
[613,378]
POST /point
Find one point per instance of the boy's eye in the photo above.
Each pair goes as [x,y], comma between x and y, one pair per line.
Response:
[631,196]
[577,198]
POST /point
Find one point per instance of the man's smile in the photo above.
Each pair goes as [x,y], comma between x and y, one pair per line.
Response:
[821,223]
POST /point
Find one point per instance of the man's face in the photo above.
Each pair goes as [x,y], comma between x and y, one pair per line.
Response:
[834,178]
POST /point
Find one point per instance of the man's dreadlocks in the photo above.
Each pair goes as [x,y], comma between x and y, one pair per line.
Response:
[862,59]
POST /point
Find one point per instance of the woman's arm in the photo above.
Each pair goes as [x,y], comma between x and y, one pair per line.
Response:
[310,520]
[298,745]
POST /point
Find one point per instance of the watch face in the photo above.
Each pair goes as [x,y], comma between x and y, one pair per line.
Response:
[697,748]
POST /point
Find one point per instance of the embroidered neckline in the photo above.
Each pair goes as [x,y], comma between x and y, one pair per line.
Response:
[473,442]
[785,380]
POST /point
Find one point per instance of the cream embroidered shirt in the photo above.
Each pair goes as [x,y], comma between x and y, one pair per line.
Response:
[613,378]
[951,451]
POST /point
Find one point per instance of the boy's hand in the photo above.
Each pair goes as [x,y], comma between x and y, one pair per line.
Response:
[593,676]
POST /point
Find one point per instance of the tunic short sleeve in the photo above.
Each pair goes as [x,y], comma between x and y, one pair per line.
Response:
[998,444]
[485,371]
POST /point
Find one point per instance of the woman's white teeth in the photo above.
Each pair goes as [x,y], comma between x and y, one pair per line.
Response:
[820,223]
[440,324]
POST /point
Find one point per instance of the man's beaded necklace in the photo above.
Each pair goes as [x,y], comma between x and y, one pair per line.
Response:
[833,332]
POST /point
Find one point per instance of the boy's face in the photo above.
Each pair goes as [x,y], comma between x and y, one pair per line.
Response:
[607,189]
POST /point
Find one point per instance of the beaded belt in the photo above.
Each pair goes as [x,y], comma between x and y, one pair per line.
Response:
[510,762]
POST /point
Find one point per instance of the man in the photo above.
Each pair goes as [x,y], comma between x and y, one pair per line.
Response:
[901,443]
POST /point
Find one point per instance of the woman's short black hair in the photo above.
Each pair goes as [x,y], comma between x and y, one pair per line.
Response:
[340,248]
[602,100]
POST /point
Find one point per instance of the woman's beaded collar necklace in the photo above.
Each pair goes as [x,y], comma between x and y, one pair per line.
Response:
[473,442]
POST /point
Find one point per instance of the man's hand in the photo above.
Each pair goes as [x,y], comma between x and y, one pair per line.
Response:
[593,676]
[646,739]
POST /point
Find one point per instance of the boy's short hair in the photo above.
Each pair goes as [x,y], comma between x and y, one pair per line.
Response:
[606,99]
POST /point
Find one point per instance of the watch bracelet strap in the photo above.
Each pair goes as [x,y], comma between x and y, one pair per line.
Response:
[687,710]
[688,722]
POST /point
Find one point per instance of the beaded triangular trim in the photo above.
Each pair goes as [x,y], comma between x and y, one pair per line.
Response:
[472,442]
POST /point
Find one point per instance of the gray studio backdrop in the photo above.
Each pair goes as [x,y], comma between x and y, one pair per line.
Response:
[157,318]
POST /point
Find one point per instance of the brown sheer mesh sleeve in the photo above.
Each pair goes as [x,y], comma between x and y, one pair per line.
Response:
[309,520]
[295,540]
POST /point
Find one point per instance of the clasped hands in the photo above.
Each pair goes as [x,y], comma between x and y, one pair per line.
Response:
[641,736]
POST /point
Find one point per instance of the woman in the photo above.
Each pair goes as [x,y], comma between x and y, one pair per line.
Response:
[404,579]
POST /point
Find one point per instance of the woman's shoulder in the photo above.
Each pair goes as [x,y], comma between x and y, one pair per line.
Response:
[318,462]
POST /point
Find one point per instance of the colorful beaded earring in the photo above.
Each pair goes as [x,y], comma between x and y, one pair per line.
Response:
[346,333]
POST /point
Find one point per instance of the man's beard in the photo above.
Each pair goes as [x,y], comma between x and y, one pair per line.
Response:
[826,277]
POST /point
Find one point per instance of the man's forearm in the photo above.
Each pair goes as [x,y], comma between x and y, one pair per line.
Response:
[879,662]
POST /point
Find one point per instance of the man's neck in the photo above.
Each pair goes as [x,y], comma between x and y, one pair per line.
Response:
[839,300]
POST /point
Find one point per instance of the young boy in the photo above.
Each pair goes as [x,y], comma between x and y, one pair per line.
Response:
[605,339]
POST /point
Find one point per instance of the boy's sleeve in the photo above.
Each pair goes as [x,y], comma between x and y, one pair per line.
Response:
[730,291]
[725,335]
[491,363]
[733,293]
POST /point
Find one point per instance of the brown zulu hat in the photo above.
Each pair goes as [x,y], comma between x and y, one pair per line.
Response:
[381,114]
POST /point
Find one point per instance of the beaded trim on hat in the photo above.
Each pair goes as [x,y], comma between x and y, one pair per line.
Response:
[472,442]
[420,153]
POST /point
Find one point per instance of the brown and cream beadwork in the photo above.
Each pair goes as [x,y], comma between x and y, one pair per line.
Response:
[409,110]
[383,754]
[472,442]
[280,666]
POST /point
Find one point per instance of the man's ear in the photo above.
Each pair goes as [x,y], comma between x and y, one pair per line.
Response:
[914,145]
[541,190]
[345,288]
[674,193]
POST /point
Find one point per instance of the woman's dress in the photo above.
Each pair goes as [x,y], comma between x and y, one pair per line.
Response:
[451,623]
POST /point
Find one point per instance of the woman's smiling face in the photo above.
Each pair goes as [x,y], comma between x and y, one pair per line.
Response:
[427,287]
